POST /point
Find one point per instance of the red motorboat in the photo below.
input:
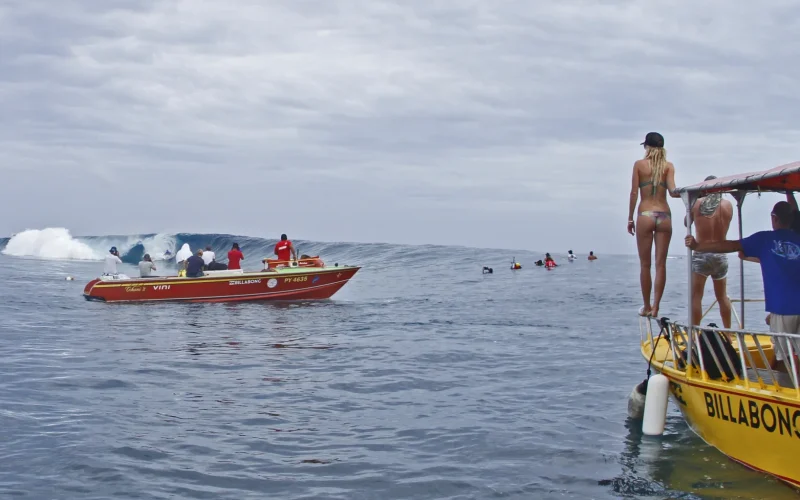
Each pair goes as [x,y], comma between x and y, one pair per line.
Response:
[289,283]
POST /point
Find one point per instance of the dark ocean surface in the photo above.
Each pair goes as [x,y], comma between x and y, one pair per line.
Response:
[421,379]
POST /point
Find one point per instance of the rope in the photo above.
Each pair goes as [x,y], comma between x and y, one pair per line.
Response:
[664,323]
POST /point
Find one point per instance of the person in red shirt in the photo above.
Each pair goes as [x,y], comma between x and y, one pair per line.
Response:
[234,257]
[285,250]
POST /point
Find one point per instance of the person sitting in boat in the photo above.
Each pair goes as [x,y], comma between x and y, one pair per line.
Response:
[285,250]
[235,256]
[180,258]
[146,266]
[111,261]
[194,265]
[592,256]
[778,253]
[712,218]
[312,261]
[208,256]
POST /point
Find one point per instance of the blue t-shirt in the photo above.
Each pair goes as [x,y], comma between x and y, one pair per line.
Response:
[194,266]
[779,253]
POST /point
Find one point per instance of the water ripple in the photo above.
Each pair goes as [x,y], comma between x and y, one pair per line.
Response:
[415,382]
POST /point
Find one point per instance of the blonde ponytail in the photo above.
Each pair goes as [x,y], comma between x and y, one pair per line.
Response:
[658,163]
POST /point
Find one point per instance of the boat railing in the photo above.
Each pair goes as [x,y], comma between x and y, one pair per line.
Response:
[741,358]
[733,309]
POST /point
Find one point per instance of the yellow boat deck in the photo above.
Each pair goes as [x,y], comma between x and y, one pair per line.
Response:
[756,361]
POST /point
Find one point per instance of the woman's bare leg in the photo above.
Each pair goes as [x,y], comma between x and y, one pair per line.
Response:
[644,242]
[662,237]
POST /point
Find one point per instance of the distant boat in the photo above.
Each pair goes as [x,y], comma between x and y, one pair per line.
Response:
[283,283]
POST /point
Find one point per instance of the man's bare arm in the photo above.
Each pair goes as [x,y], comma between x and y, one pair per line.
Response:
[727,246]
[749,259]
[791,200]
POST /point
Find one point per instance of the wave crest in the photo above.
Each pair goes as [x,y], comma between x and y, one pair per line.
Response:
[59,244]
[51,243]
[56,243]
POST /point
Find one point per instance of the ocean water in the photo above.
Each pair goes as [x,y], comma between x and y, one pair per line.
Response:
[422,378]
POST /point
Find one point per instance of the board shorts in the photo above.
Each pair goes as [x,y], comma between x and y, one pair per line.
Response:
[714,265]
[783,323]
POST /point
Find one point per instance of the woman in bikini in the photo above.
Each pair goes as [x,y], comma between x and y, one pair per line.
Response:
[654,176]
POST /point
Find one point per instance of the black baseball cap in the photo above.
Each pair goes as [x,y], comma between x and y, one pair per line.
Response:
[654,140]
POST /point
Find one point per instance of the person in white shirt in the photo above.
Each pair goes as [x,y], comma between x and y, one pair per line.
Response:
[180,258]
[208,256]
[146,266]
[111,261]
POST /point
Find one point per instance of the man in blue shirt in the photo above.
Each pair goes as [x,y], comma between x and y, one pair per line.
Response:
[778,252]
[194,265]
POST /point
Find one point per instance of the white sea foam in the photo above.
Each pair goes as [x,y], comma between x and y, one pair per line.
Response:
[52,243]
[56,243]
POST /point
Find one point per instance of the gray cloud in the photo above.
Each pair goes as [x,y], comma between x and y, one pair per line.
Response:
[395,121]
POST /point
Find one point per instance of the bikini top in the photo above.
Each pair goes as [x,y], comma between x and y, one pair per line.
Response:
[655,188]
[646,183]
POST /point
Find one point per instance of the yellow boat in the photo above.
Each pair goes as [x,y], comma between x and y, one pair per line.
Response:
[729,395]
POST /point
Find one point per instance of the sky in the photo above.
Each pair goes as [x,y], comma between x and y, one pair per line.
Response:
[506,124]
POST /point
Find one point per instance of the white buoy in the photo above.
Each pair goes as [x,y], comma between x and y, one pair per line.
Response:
[655,405]
[636,401]
[69,278]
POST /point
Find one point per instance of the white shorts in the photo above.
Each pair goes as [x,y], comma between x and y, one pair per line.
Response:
[779,323]
[714,265]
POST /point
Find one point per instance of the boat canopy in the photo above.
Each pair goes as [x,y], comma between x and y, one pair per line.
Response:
[781,179]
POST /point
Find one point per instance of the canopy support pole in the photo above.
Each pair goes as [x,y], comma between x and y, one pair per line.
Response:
[688,200]
[739,196]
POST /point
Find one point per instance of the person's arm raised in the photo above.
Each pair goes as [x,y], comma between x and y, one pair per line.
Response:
[791,200]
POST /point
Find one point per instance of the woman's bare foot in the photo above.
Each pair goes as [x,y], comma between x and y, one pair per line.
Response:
[644,311]
[654,311]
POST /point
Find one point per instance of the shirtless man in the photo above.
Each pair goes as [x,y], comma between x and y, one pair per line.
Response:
[712,218]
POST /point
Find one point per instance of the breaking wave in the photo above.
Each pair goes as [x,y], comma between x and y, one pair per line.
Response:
[59,244]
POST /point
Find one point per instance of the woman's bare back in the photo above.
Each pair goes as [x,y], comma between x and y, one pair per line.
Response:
[654,200]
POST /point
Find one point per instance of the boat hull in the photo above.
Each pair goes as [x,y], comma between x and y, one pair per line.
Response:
[288,284]
[762,433]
